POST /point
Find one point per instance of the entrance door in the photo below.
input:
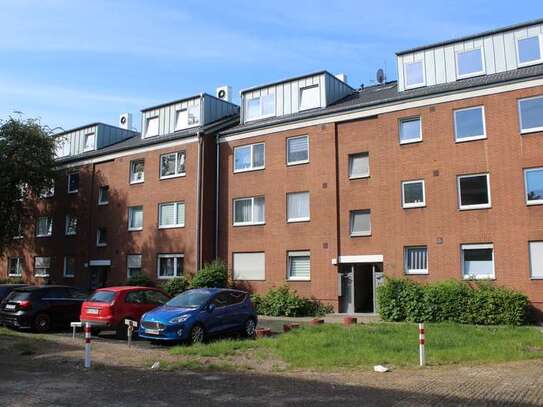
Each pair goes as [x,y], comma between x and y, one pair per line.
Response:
[346,283]
[98,276]
[357,283]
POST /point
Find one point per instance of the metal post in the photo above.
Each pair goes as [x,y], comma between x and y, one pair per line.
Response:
[131,325]
[87,345]
[422,355]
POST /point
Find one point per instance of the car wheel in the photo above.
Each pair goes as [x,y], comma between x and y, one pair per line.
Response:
[197,334]
[250,328]
[42,323]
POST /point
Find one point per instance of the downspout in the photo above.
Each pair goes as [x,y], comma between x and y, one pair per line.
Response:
[198,199]
[217,186]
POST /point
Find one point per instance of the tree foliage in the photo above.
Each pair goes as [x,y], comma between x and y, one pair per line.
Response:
[26,168]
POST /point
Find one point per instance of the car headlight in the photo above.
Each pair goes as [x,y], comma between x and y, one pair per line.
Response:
[178,320]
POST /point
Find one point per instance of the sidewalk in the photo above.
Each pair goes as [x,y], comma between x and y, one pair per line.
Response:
[276,323]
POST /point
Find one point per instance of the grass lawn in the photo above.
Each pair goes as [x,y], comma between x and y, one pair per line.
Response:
[333,347]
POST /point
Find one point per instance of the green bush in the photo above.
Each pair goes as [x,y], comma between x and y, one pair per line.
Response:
[175,286]
[12,280]
[479,303]
[282,301]
[140,279]
[213,274]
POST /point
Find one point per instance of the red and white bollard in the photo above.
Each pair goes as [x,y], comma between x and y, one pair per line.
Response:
[87,345]
[422,355]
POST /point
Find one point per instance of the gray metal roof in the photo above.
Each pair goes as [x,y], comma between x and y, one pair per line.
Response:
[472,36]
[388,93]
[86,126]
[173,102]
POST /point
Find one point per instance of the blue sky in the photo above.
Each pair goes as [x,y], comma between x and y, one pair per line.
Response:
[72,62]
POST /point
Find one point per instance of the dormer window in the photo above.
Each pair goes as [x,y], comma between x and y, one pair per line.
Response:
[62,148]
[187,117]
[469,63]
[310,97]
[260,107]
[529,51]
[151,127]
[89,142]
[414,74]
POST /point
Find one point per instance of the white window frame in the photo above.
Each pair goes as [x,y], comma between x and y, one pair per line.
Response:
[533,201]
[42,275]
[147,121]
[65,274]
[530,259]
[19,267]
[176,256]
[85,138]
[471,74]
[132,172]
[98,233]
[406,120]
[66,141]
[415,272]
[73,191]
[177,224]
[298,253]
[252,222]
[531,129]
[236,277]
[131,214]
[470,138]
[305,218]
[414,204]
[101,195]
[49,229]
[476,206]
[352,214]
[350,165]
[48,193]
[300,98]
[128,263]
[289,163]
[405,76]
[252,167]
[176,174]
[470,246]
[261,115]
[66,224]
[536,61]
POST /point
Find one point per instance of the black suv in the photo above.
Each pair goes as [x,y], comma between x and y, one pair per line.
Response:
[41,308]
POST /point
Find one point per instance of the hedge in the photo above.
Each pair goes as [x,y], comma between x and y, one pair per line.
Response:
[212,275]
[282,301]
[479,303]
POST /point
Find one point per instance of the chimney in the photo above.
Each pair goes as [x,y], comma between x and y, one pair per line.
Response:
[224,93]
[125,121]
[342,77]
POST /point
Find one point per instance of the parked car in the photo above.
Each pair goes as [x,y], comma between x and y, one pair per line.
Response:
[107,308]
[5,289]
[41,308]
[196,314]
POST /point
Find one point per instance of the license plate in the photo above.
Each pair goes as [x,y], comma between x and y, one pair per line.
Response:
[92,311]
[152,331]
[10,306]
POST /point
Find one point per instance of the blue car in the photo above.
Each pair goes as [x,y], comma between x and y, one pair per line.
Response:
[197,314]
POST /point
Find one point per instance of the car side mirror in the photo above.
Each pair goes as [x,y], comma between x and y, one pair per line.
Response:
[211,308]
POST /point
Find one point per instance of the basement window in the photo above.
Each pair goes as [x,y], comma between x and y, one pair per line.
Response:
[416,260]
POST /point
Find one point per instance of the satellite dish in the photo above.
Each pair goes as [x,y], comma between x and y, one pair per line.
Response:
[123,119]
[221,94]
[380,76]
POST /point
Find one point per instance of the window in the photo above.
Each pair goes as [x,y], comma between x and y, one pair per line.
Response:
[298,207]
[410,130]
[297,150]
[360,223]
[413,194]
[531,114]
[73,182]
[416,260]
[103,195]
[69,267]
[248,158]
[187,117]
[533,181]
[137,171]
[474,191]
[529,50]
[19,233]
[62,147]
[310,97]
[469,63]
[536,259]
[249,266]
[89,142]
[260,107]
[249,211]
[414,74]
[172,165]
[70,227]
[469,124]
[477,261]
[42,266]
[151,127]
[101,237]
[359,165]
[299,266]
[133,264]
[170,265]
[171,215]
[135,218]
[48,192]
[15,267]
[44,226]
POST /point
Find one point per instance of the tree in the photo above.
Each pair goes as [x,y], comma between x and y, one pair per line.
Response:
[27,165]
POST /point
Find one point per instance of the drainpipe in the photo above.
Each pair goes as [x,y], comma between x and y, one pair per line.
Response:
[198,198]
[217,186]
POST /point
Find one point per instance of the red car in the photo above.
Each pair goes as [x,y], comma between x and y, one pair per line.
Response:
[107,308]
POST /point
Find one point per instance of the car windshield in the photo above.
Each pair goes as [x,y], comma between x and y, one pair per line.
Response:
[189,299]
[102,296]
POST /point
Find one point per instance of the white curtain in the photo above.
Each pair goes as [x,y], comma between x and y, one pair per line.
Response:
[167,214]
[298,149]
[258,155]
[243,210]
[299,265]
[360,165]
[136,217]
[258,209]
[180,213]
[298,205]
[361,222]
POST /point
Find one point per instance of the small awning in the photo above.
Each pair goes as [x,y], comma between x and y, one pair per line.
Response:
[96,263]
[367,258]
